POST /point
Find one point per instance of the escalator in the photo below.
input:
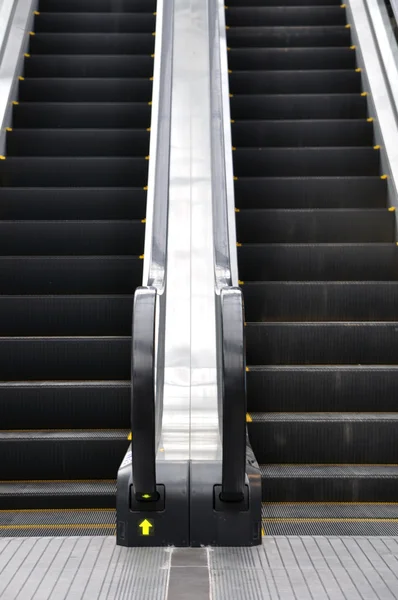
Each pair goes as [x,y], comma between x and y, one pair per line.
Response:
[318,265]
[73,204]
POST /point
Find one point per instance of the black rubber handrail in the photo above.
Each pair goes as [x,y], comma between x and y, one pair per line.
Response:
[233,395]
[143,410]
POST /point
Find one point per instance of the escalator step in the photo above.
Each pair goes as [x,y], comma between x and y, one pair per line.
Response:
[322,438]
[260,3]
[276,59]
[345,483]
[87,65]
[74,171]
[346,81]
[74,454]
[63,238]
[311,192]
[72,203]
[321,301]
[70,275]
[78,142]
[322,262]
[72,89]
[92,43]
[314,226]
[298,106]
[293,16]
[77,6]
[57,494]
[65,315]
[289,37]
[267,133]
[65,358]
[323,388]
[58,22]
[271,162]
[339,343]
[86,114]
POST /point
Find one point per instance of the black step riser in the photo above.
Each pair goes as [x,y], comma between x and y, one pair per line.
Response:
[73,203]
[289,37]
[291,301]
[74,143]
[276,59]
[329,490]
[92,43]
[344,389]
[322,344]
[84,115]
[290,192]
[306,162]
[325,442]
[85,90]
[295,82]
[318,263]
[89,66]
[261,3]
[322,226]
[60,359]
[286,16]
[95,23]
[62,406]
[74,172]
[46,502]
[118,6]
[301,133]
[71,459]
[70,275]
[65,315]
[300,106]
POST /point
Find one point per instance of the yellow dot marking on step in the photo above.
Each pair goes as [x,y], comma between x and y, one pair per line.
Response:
[2,157]
[36,12]
[348,26]
[21,78]
[247,370]
[235,179]
[353,47]
[150,103]
[232,121]
[248,418]
[8,128]
[343,5]
[26,55]
[370,120]
[145,188]
[391,209]
[130,436]
[359,70]
[233,148]
[238,244]
[154,33]
[15,103]
[376,147]
[240,282]
[32,33]
[231,95]
[148,129]
[143,220]
[237,210]
[152,56]
[147,158]
[364,93]
[383,176]
[141,257]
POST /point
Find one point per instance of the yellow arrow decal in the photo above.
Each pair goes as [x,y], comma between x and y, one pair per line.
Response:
[147,527]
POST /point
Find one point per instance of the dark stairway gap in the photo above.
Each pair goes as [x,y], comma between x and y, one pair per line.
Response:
[73,206]
[317,260]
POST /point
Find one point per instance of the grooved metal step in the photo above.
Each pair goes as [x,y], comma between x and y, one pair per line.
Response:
[122,22]
[78,142]
[93,404]
[273,16]
[321,301]
[75,454]
[77,6]
[346,81]
[275,59]
[92,43]
[324,438]
[321,388]
[313,226]
[48,115]
[88,66]
[290,37]
[72,203]
[79,89]
[74,522]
